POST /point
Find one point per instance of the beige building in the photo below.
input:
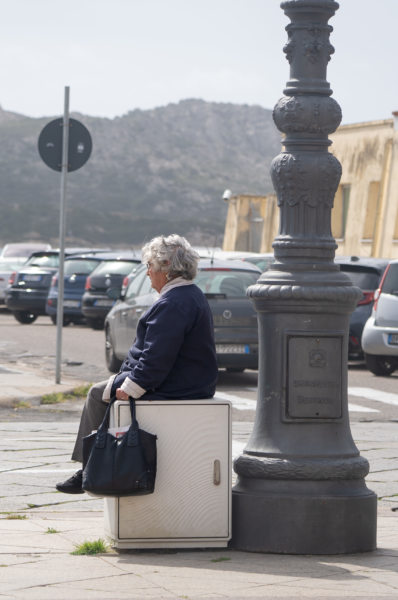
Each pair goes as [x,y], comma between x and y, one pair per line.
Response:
[251,224]
[365,212]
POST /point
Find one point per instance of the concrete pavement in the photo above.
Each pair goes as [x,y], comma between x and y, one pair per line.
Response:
[40,527]
[23,384]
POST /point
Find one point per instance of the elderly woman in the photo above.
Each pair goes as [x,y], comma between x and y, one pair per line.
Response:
[173,355]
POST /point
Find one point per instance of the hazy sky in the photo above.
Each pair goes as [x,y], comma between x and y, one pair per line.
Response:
[118,55]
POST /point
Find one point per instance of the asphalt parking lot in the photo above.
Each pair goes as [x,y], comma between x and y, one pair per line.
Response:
[33,346]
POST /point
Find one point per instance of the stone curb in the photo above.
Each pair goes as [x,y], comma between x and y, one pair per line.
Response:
[33,398]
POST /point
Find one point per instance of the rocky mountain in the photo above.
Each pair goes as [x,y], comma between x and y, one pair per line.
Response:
[150,172]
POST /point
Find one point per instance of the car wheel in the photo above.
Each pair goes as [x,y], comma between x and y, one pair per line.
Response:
[65,323]
[25,317]
[112,362]
[381,365]
[95,323]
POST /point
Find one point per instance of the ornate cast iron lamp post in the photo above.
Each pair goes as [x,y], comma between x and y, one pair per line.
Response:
[301,485]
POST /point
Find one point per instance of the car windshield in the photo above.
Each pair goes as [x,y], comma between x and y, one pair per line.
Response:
[228,283]
[366,279]
[44,260]
[112,267]
[79,266]
[390,285]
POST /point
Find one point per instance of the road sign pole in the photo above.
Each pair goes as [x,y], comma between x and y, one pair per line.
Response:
[64,172]
[64,145]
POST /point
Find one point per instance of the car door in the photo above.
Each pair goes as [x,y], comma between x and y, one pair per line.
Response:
[137,306]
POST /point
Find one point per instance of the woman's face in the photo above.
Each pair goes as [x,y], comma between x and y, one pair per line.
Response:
[158,278]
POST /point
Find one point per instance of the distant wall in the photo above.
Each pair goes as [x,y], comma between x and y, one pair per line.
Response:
[365,215]
[251,224]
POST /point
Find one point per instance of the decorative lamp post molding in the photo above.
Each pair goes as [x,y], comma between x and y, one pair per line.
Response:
[300,486]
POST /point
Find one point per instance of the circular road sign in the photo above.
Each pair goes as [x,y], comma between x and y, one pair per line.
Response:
[50,144]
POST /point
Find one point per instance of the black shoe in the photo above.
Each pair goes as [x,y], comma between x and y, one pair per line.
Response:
[73,485]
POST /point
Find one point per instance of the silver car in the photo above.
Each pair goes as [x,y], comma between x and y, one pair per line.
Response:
[224,283]
[380,334]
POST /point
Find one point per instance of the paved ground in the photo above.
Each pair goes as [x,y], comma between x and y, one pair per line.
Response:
[40,528]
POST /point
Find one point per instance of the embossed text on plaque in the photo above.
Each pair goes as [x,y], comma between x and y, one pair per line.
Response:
[314,387]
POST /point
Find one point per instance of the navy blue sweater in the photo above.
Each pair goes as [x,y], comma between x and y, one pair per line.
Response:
[173,355]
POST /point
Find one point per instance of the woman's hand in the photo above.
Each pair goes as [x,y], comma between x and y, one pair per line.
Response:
[121,395]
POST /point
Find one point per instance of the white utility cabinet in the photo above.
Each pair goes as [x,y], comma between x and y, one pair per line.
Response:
[191,504]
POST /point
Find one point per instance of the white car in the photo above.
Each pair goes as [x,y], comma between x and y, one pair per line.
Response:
[21,250]
[8,266]
[380,334]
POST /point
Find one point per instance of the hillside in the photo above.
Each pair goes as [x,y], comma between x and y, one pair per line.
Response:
[150,172]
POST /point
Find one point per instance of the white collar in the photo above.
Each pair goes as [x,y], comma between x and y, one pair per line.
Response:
[177,282]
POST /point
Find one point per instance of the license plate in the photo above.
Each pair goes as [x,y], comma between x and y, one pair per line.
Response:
[72,303]
[32,277]
[393,339]
[103,302]
[232,349]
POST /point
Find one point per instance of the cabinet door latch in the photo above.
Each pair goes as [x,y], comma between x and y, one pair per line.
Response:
[217,472]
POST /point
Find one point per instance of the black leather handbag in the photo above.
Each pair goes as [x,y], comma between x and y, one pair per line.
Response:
[123,466]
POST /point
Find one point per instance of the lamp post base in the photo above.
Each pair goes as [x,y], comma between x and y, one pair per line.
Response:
[294,517]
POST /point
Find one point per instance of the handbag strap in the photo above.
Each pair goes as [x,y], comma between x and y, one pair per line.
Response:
[100,438]
[132,433]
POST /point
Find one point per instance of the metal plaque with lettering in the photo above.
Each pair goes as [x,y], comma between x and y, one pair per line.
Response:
[314,387]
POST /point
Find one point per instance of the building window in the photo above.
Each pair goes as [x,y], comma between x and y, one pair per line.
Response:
[372,210]
[340,211]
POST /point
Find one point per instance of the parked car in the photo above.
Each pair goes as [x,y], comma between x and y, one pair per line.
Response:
[108,275]
[380,334]
[365,273]
[235,320]
[8,266]
[76,270]
[207,251]
[126,282]
[262,261]
[27,291]
[230,254]
[23,249]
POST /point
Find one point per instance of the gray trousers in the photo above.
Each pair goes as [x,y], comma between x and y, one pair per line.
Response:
[93,413]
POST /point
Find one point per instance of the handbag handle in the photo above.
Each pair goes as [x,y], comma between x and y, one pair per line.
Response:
[132,434]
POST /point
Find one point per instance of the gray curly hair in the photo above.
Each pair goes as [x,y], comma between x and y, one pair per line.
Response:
[173,255]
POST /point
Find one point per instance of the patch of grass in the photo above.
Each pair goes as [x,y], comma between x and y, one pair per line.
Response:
[90,548]
[15,517]
[54,398]
[51,530]
[57,397]
[29,505]
[80,390]
[220,559]
[22,404]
